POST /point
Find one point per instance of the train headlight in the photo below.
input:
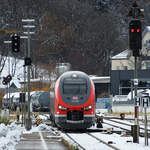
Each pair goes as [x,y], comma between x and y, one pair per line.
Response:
[88,107]
[62,108]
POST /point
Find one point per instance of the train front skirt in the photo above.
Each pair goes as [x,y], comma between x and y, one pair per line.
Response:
[65,122]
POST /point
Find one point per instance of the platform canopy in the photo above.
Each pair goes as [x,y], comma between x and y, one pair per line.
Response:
[104,79]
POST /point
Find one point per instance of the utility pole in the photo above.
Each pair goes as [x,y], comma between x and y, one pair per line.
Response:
[28,124]
[135,44]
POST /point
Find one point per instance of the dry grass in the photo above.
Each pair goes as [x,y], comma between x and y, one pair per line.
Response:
[70,147]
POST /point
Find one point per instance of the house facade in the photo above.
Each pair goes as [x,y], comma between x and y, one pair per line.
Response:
[122,68]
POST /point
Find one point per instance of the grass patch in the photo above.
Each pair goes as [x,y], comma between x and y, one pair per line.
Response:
[70,147]
[5,121]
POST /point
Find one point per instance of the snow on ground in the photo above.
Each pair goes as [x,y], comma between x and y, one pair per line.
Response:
[42,127]
[120,141]
[10,135]
[123,143]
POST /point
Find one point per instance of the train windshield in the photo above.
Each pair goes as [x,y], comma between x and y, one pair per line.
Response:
[75,87]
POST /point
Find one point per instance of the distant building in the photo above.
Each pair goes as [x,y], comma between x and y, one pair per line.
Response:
[102,85]
[122,68]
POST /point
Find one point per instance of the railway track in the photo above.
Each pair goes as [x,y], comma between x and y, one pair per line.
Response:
[118,118]
[98,138]
[127,124]
[89,137]
[124,126]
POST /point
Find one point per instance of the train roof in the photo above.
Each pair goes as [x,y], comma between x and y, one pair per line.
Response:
[73,74]
[68,73]
[95,79]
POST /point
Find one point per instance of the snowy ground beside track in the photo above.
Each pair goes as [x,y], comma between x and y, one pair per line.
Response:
[10,135]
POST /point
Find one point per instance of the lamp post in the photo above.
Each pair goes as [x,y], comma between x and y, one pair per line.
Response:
[28,124]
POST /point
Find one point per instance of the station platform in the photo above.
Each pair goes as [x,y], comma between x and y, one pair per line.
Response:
[40,141]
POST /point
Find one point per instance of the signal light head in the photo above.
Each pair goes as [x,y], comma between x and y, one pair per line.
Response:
[135,37]
[9,78]
[15,43]
[4,82]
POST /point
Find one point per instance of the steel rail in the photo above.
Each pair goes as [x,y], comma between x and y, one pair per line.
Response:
[113,147]
[75,141]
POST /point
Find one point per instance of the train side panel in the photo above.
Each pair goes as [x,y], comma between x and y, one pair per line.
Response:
[51,105]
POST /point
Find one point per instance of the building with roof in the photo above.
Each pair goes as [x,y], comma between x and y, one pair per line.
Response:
[102,85]
[122,67]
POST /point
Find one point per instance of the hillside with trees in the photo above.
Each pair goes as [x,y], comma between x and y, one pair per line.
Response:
[85,33]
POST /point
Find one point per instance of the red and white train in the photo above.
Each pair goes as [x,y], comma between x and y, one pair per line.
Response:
[72,101]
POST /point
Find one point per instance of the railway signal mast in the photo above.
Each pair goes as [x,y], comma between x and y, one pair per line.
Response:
[28,62]
[135,44]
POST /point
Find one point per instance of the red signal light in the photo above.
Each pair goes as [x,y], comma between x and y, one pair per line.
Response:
[138,30]
[132,30]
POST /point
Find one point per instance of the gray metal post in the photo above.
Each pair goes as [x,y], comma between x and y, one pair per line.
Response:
[136,125]
[132,90]
[9,82]
[8,94]
[146,132]
[8,86]
[28,87]
[7,97]
[25,88]
[23,108]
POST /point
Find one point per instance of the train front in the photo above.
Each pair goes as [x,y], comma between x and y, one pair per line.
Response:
[74,101]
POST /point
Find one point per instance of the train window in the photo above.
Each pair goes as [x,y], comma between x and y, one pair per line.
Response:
[75,89]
